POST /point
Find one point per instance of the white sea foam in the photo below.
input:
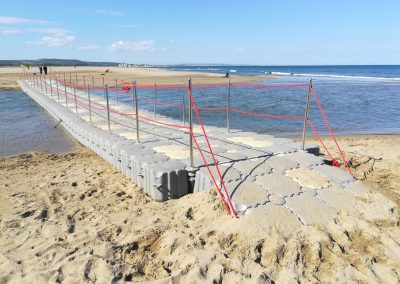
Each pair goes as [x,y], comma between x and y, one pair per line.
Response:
[332,76]
[280,73]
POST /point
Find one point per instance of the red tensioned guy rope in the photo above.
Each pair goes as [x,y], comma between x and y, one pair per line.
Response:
[152,101]
[147,86]
[209,86]
[211,151]
[267,115]
[212,108]
[143,86]
[314,129]
[258,86]
[125,114]
[210,173]
[330,129]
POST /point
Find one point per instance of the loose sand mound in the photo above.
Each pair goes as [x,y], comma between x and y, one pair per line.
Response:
[71,218]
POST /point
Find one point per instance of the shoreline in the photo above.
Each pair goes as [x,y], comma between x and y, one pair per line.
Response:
[144,75]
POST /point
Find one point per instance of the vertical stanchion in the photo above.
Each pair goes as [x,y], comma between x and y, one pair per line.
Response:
[76,102]
[41,83]
[51,89]
[84,82]
[90,103]
[228,108]
[183,108]
[93,85]
[155,99]
[45,85]
[190,124]
[65,92]
[104,91]
[108,110]
[116,89]
[306,114]
[58,91]
[136,110]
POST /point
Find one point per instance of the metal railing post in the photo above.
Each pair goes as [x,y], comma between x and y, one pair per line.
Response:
[104,91]
[190,124]
[84,82]
[65,91]
[116,89]
[45,85]
[155,99]
[183,109]
[108,110]
[90,103]
[136,110]
[228,108]
[306,115]
[93,85]
[58,91]
[51,90]
[76,101]
[41,84]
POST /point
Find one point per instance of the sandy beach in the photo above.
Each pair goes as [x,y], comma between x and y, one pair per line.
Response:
[72,218]
[9,76]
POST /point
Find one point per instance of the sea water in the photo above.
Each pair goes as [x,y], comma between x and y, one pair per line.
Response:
[356,99]
[25,127]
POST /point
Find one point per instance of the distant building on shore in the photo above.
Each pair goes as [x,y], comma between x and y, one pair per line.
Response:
[126,65]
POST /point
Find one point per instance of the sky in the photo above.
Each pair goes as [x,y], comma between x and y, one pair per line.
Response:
[254,32]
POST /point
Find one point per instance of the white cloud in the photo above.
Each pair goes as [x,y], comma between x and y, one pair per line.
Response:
[56,40]
[172,41]
[109,12]
[239,50]
[144,45]
[54,31]
[16,20]
[88,47]
[10,32]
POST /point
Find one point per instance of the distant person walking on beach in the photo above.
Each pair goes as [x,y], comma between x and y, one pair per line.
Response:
[227,75]
[41,70]
[45,70]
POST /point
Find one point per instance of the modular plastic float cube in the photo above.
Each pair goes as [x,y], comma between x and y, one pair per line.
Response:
[141,160]
[203,181]
[117,150]
[127,153]
[110,146]
[165,180]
